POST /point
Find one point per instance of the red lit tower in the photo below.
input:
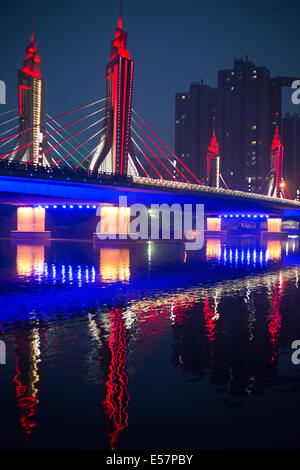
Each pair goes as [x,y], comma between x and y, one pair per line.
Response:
[114,153]
[30,144]
[213,162]
[276,163]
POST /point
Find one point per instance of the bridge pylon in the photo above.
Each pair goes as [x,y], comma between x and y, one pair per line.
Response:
[115,153]
[276,183]
[30,144]
[213,161]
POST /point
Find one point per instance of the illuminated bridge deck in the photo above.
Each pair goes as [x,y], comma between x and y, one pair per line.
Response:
[21,184]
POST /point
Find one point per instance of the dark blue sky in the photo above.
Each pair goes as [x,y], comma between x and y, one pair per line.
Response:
[172,43]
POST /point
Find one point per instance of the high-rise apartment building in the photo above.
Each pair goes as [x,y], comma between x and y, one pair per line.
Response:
[247,107]
[245,123]
[193,126]
[291,156]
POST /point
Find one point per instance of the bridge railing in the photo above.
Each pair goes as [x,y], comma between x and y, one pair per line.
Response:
[28,169]
[213,190]
[21,169]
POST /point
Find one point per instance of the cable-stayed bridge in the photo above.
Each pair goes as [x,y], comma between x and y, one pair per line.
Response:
[96,152]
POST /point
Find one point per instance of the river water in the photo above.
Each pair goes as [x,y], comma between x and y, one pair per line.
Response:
[149,346]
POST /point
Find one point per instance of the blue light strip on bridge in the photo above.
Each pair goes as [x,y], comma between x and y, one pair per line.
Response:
[244,216]
[65,206]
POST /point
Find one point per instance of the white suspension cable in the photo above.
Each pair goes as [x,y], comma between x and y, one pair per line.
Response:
[7,141]
[82,130]
[11,129]
[9,120]
[53,148]
[59,156]
[60,135]
[85,142]
[94,149]
[7,112]
[81,119]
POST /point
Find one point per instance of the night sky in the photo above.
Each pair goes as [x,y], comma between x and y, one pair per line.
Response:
[172,43]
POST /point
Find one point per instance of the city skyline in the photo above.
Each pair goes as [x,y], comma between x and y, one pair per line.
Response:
[247,108]
[149,297]
[64,78]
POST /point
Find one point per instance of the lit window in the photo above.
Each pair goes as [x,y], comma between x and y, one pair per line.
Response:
[183,97]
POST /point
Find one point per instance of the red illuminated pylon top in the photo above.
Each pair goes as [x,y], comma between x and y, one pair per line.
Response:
[277,140]
[214,146]
[118,44]
[32,62]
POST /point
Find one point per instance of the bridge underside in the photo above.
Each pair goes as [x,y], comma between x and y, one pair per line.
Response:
[24,191]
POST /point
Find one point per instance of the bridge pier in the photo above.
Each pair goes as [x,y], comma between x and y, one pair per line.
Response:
[114,224]
[30,224]
[274,226]
[214,227]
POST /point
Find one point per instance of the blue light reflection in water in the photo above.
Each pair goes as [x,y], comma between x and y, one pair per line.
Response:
[106,343]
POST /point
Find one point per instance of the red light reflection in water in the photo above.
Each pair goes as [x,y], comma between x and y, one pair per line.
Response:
[117,397]
[153,319]
[210,317]
[26,404]
[274,319]
[152,326]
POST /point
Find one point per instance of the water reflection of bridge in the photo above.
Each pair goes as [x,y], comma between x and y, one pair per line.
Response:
[204,321]
[115,263]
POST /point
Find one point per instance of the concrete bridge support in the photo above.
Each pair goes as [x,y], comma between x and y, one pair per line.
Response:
[114,223]
[274,229]
[31,224]
[214,227]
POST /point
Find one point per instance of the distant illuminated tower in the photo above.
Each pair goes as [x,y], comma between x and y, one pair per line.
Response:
[115,153]
[213,162]
[275,183]
[30,144]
